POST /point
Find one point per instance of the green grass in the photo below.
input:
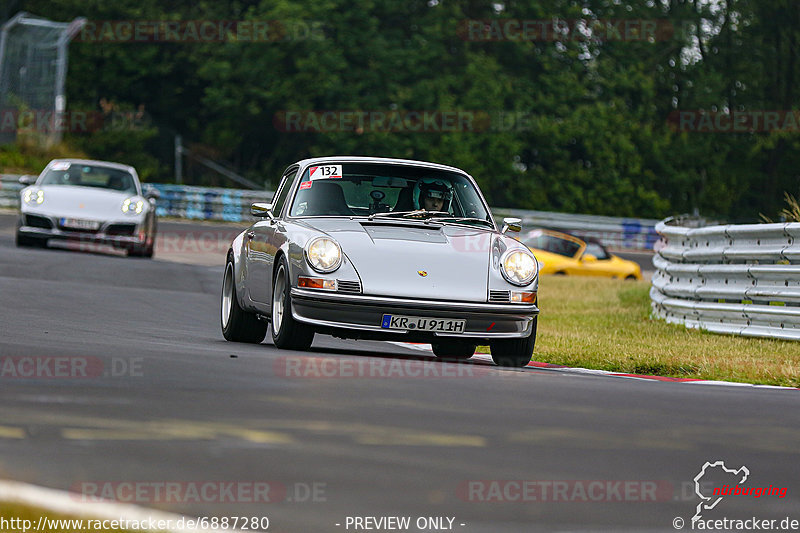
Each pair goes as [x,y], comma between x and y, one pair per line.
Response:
[27,156]
[605,324]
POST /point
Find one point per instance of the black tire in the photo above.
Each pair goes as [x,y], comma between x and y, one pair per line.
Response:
[454,351]
[237,324]
[24,241]
[144,250]
[287,333]
[514,352]
[631,277]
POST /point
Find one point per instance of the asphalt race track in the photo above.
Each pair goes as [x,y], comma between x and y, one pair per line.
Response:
[392,433]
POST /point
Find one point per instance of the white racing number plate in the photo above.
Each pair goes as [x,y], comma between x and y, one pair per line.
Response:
[76,223]
[443,325]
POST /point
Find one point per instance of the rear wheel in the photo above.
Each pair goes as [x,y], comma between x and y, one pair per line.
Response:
[237,324]
[455,351]
[287,333]
[514,352]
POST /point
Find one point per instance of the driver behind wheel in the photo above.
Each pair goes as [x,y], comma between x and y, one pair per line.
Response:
[433,194]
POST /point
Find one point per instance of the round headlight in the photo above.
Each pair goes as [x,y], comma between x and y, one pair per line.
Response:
[33,196]
[519,267]
[133,206]
[324,254]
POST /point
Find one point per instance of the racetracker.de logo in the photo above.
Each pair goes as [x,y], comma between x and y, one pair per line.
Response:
[736,122]
[209,491]
[69,367]
[565,490]
[303,367]
[200,31]
[566,30]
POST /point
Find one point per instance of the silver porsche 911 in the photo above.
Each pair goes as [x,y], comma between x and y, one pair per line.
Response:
[88,201]
[387,249]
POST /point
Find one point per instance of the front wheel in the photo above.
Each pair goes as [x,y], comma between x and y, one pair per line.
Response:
[287,333]
[237,324]
[24,241]
[514,352]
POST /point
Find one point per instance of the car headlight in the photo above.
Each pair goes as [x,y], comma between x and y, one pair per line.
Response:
[518,267]
[133,206]
[324,254]
[33,196]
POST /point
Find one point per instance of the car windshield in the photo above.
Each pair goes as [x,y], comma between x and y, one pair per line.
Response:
[550,243]
[89,176]
[382,190]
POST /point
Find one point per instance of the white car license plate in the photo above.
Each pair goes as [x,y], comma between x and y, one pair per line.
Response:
[443,325]
[76,223]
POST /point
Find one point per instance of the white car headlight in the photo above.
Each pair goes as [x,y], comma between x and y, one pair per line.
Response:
[519,267]
[323,254]
[133,206]
[33,196]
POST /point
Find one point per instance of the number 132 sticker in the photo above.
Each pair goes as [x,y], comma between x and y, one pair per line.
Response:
[325,172]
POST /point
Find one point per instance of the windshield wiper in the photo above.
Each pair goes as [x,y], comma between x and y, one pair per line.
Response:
[417,214]
[464,219]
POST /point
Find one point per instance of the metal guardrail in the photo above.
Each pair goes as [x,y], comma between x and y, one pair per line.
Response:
[198,203]
[205,203]
[734,279]
[233,205]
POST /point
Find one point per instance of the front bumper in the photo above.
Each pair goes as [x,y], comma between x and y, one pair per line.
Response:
[120,233]
[359,316]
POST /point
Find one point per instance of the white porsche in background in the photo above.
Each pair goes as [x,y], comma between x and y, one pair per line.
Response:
[88,201]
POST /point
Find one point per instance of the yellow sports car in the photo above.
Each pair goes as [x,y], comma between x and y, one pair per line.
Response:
[560,253]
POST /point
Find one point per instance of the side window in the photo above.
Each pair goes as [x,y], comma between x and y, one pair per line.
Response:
[596,250]
[283,192]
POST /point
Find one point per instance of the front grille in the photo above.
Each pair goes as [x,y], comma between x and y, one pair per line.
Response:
[77,230]
[35,221]
[499,296]
[121,229]
[349,286]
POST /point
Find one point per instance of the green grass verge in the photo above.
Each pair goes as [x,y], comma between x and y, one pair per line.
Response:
[27,156]
[605,324]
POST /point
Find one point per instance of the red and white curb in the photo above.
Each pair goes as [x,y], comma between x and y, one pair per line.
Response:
[573,370]
[70,504]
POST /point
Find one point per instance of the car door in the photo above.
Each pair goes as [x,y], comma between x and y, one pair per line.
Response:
[261,247]
[600,265]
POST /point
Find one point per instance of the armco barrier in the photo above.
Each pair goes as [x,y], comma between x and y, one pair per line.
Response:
[735,279]
[614,232]
[204,203]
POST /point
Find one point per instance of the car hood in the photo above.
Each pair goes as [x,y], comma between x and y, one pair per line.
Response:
[415,260]
[82,202]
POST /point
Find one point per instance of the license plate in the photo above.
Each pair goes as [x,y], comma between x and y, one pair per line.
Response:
[443,325]
[77,223]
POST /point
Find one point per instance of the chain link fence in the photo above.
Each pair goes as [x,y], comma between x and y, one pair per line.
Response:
[33,69]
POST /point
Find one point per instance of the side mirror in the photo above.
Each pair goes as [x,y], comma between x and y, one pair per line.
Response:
[261,210]
[512,224]
[589,258]
[151,193]
[27,180]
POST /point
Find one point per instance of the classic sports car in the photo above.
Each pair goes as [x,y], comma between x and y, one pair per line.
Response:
[561,253]
[88,201]
[387,249]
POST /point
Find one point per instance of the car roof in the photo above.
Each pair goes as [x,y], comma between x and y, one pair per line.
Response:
[560,235]
[380,160]
[95,162]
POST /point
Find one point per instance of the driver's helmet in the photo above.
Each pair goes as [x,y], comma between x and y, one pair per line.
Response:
[435,187]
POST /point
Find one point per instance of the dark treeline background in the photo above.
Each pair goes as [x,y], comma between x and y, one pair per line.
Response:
[598,138]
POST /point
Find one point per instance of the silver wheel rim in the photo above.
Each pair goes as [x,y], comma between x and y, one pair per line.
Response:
[278,294]
[227,295]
